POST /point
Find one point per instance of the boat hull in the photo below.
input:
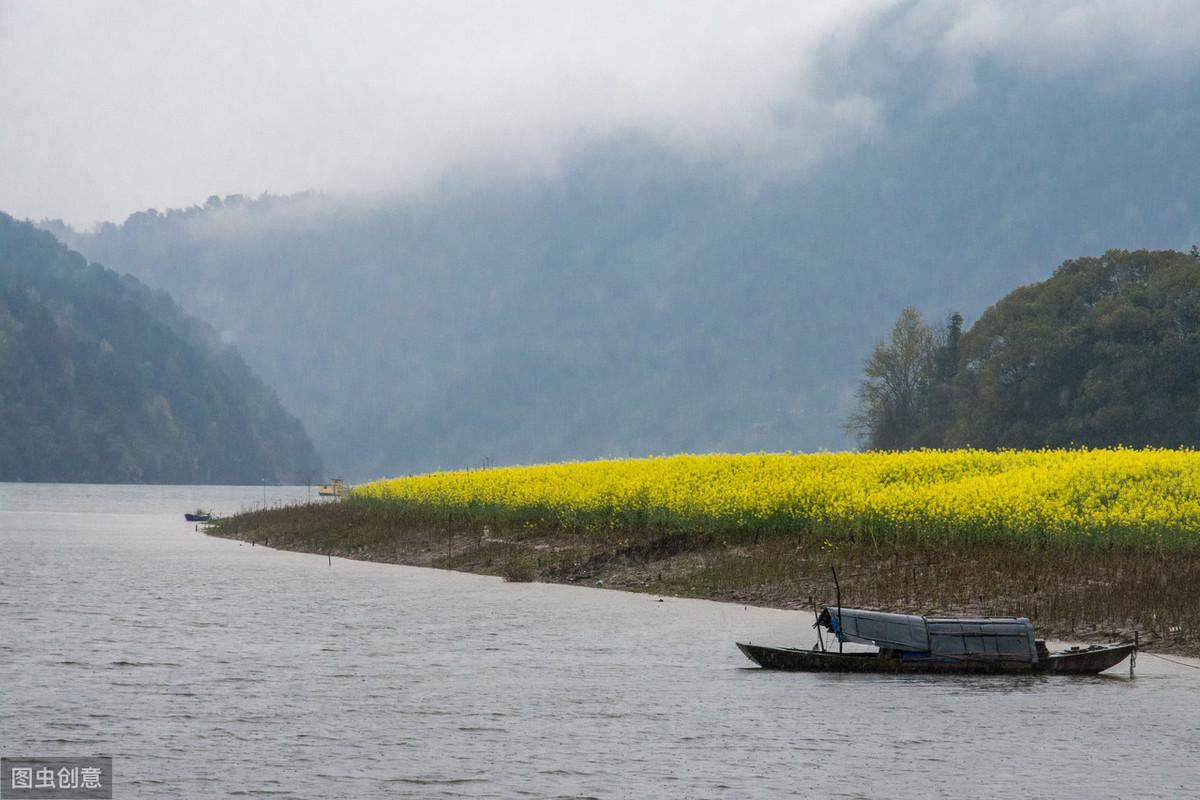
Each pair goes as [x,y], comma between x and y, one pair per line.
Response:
[1082,662]
[1087,661]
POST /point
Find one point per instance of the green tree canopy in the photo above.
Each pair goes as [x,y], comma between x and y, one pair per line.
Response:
[1106,352]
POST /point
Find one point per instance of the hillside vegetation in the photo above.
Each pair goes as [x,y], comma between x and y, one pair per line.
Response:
[1105,352]
[104,380]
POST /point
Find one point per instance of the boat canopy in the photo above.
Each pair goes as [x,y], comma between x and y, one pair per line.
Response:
[894,631]
[966,638]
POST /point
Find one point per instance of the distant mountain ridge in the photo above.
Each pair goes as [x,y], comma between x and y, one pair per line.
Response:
[104,380]
[644,303]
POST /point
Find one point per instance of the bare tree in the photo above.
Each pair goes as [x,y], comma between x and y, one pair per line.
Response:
[893,399]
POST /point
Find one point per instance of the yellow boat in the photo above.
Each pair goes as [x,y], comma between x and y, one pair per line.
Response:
[335,488]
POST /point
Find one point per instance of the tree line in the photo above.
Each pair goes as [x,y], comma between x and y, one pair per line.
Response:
[1106,352]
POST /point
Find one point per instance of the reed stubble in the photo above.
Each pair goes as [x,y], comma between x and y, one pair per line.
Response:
[1078,592]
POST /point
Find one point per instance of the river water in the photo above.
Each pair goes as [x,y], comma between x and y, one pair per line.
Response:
[210,668]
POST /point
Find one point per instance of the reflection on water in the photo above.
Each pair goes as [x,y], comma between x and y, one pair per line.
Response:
[213,668]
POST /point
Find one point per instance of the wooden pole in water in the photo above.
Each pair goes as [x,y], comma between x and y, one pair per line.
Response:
[1133,655]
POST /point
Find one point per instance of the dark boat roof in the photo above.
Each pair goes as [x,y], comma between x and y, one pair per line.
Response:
[988,638]
[895,631]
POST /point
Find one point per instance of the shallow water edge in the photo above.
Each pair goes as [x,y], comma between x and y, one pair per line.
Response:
[1082,595]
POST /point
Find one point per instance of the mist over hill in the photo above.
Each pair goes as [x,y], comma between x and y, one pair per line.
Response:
[103,380]
[643,302]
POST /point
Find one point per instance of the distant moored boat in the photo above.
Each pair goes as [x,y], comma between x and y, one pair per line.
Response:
[335,488]
[198,516]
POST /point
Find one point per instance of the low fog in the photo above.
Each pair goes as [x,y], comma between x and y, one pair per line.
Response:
[113,108]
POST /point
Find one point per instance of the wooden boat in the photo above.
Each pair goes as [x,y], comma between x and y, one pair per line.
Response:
[198,516]
[335,488]
[1077,661]
[907,643]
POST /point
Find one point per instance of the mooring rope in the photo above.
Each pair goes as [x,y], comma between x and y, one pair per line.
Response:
[1173,661]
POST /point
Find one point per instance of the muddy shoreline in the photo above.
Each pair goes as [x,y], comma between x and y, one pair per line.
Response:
[1075,595]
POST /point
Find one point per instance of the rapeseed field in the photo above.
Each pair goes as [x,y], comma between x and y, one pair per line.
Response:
[1094,497]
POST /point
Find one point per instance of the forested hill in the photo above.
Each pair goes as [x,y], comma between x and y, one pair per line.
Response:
[641,303]
[1106,352]
[105,380]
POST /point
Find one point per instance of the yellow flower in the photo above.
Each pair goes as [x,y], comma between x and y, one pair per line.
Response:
[1046,496]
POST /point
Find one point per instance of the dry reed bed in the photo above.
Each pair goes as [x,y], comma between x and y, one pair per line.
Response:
[1072,590]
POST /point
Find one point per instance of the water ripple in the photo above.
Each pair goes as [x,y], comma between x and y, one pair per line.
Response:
[209,670]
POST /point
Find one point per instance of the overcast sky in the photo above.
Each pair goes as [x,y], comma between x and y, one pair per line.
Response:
[110,108]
